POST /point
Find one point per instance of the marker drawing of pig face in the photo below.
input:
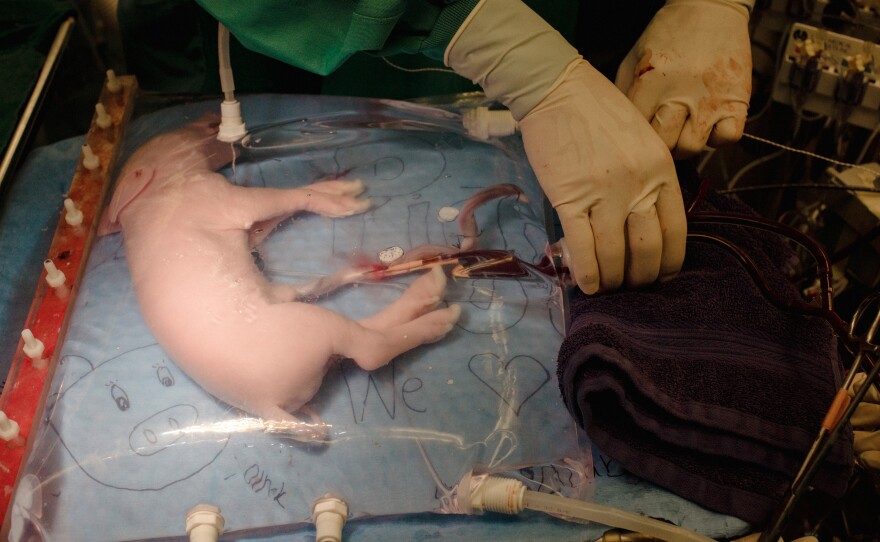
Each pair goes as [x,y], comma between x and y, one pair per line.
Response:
[129,422]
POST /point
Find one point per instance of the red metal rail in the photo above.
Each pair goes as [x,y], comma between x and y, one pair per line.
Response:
[27,383]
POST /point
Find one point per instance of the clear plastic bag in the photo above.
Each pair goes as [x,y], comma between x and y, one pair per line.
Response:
[127,434]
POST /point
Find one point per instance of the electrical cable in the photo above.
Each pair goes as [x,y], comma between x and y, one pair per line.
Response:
[783,186]
[868,142]
[777,61]
[810,154]
[751,165]
[417,70]
[705,160]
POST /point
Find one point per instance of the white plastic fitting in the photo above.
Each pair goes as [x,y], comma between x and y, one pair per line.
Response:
[483,123]
[102,117]
[231,124]
[54,276]
[113,84]
[73,216]
[495,494]
[90,159]
[8,428]
[204,523]
[33,347]
[329,515]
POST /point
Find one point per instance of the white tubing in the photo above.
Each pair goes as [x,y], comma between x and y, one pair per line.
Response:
[227,83]
[584,511]
[232,126]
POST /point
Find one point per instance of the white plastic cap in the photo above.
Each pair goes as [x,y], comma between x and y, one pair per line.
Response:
[54,276]
[113,84]
[329,515]
[483,123]
[204,523]
[33,347]
[102,117]
[90,159]
[231,124]
[72,215]
[8,428]
[447,214]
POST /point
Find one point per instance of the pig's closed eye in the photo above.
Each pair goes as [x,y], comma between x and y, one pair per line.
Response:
[119,397]
[165,376]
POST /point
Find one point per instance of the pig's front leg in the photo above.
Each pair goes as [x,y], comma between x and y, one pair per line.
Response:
[339,188]
[248,206]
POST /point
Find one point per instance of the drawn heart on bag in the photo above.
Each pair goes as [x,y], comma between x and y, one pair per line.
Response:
[515,381]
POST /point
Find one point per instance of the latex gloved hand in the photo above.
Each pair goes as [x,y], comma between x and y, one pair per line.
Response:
[607,173]
[690,73]
[866,426]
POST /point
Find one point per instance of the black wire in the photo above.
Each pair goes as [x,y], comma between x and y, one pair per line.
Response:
[801,185]
[854,21]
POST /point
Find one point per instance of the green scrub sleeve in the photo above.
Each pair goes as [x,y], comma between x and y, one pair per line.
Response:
[320,35]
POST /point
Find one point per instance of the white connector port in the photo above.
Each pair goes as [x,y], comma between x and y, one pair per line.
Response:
[483,123]
[838,55]
[204,523]
[329,515]
[232,126]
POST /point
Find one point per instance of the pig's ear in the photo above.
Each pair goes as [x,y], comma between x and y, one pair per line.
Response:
[105,226]
[129,187]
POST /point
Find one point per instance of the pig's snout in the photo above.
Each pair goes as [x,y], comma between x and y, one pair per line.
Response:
[162,429]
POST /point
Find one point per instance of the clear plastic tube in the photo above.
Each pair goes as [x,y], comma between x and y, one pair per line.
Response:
[585,511]
[227,83]
[232,126]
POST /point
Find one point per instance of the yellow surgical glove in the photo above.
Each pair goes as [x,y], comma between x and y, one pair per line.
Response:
[690,73]
[608,174]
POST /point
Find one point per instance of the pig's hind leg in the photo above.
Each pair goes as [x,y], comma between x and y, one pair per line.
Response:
[374,348]
[410,321]
[421,297]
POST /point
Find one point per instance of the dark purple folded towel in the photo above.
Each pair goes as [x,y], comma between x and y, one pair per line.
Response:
[702,386]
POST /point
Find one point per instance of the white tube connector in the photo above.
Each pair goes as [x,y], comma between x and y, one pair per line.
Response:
[329,515]
[204,523]
[102,117]
[113,84]
[90,159]
[231,123]
[54,276]
[496,494]
[8,428]
[232,126]
[72,215]
[33,347]
[477,494]
[483,123]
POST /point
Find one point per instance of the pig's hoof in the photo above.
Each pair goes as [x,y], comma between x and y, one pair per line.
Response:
[440,322]
[338,187]
[420,298]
